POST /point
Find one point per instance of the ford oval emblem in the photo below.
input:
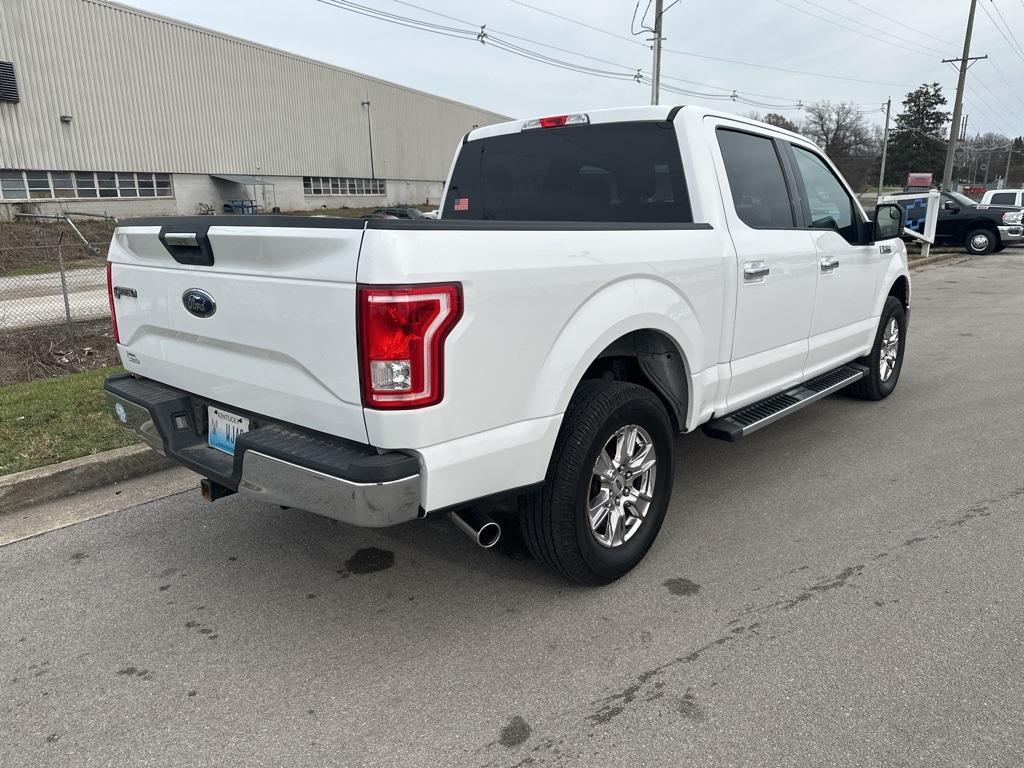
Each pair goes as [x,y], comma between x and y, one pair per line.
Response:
[198,302]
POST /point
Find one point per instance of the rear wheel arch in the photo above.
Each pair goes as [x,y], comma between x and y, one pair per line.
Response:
[652,359]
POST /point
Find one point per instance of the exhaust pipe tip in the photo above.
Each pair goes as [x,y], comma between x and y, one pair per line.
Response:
[489,535]
[480,527]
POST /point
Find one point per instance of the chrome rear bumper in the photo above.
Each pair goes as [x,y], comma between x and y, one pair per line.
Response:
[370,505]
[273,462]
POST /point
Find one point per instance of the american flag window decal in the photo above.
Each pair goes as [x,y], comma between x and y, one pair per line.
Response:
[462,204]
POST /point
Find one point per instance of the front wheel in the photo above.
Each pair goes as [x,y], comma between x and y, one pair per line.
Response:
[885,361]
[608,484]
[981,242]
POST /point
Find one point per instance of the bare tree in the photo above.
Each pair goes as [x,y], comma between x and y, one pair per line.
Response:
[846,137]
[840,129]
[773,118]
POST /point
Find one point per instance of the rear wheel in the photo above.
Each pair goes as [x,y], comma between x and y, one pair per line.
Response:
[607,487]
[981,241]
[885,361]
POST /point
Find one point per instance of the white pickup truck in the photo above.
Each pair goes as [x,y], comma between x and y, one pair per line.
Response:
[596,283]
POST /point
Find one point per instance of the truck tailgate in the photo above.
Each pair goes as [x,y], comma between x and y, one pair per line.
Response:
[281,340]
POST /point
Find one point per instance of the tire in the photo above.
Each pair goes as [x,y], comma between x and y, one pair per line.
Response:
[999,248]
[880,382]
[556,520]
[980,242]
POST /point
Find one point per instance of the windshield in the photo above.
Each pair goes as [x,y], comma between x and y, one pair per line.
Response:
[962,199]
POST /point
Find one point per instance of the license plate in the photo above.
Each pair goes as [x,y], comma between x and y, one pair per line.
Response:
[224,429]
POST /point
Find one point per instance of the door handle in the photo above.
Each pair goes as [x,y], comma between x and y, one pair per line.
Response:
[829,264]
[755,270]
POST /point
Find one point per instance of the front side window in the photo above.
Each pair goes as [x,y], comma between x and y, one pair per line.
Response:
[756,180]
[830,205]
[612,172]
[1004,198]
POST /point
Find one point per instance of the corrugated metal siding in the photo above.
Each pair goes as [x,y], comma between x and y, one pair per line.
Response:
[146,93]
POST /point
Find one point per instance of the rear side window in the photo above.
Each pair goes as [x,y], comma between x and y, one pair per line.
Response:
[616,172]
[1004,198]
[755,177]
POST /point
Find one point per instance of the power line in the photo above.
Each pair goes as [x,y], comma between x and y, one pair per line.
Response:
[918,31]
[487,35]
[678,52]
[1006,82]
[879,30]
[1009,29]
[827,20]
[990,92]
[497,39]
[999,29]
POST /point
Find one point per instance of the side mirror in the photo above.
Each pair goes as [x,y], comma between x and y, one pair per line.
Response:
[888,222]
[951,206]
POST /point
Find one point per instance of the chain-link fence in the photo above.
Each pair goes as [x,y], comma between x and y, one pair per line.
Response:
[52,281]
[54,314]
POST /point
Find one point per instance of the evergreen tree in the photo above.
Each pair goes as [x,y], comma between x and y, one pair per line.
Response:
[917,143]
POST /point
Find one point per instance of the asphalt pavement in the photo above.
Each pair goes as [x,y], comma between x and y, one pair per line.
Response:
[841,589]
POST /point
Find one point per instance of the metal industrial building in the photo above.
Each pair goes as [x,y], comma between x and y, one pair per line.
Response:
[105,108]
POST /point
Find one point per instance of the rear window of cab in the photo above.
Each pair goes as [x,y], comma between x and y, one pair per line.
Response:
[612,172]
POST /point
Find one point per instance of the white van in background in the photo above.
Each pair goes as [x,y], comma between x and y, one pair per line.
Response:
[1003,197]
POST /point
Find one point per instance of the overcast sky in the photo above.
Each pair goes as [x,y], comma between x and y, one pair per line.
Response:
[817,41]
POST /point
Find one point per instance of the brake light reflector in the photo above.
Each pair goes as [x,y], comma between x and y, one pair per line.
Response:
[556,121]
[110,301]
[402,330]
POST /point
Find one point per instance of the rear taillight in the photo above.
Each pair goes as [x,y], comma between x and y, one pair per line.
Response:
[402,330]
[110,300]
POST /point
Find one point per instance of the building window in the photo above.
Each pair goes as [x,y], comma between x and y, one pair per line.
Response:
[12,185]
[38,185]
[85,184]
[107,183]
[324,185]
[163,185]
[82,185]
[63,184]
[126,186]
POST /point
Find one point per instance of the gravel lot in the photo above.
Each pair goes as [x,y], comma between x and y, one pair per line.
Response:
[842,589]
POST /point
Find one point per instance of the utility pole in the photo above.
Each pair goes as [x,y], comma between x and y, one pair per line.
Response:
[369,130]
[965,61]
[1009,157]
[656,69]
[885,148]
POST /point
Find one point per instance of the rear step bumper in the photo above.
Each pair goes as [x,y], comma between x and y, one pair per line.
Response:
[273,462]
[741,423]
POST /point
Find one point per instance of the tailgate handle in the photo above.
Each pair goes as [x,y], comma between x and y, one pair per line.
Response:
[181,239]
[188,247]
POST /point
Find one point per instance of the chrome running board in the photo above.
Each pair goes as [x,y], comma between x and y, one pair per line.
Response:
[751,418]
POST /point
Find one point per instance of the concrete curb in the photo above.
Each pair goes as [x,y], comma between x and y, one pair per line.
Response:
[936,259]
[35,486]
